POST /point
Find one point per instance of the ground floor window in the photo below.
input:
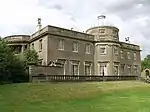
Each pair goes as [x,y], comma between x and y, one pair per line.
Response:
[102,68]
[122,68]
[116,70]
[129,69]
[135,69]
[75,68]
[87,69]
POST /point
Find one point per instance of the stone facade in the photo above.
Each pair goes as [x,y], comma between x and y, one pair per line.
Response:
[96,52]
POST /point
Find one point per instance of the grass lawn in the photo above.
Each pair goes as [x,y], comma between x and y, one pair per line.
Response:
[124,96]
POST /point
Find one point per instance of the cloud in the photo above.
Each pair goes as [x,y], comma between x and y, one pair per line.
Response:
[130,16]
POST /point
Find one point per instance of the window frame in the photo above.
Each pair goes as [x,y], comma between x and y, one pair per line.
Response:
[61,45]
[40,45]
[75,46]
[87,49]
[100,48]
[89,71]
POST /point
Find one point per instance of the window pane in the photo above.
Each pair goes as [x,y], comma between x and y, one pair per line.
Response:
[61,44]
[75,69]
[75,46]
[87,49]
[102,50]
[87,70]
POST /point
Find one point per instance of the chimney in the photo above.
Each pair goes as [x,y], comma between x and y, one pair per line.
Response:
[39,26]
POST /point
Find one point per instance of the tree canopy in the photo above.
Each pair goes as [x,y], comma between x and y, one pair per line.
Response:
[146,62]
[14,68]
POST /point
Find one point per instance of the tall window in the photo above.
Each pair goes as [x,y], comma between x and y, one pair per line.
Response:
[129,55]
[87,48]
[102,50]
[40,45]
[116,69]
[135,69]
[122,57]
[87,68]
[32,45]
[75,68]
[75,46]
[115,50]
[102,68]
[122,68]
[61,44]
[129,69]
[135,56]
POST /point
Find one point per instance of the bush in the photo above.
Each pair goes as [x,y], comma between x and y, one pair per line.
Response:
[12,69]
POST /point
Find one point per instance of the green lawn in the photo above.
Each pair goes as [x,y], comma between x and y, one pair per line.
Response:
[76,97]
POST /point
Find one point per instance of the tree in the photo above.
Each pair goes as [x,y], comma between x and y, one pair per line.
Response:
[11,68]
[31,56]
[146,62]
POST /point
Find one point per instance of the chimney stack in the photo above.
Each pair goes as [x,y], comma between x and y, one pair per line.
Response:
[39,26]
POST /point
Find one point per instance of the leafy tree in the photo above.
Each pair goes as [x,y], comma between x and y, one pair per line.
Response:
[31,56]
[11,68]
[146,62]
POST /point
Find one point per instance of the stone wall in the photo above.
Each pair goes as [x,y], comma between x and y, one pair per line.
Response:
[44,70]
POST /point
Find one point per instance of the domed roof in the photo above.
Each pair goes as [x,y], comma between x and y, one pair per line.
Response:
[101,22]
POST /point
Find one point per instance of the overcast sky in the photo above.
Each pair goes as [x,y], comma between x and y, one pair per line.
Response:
[132,17]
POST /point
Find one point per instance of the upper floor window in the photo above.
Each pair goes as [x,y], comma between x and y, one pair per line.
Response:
[128,55]
[102,30]
[102,49]
[32,46]
[40,45]
[121,54]
[135,56]
[61,44]
[114,31]
[75,46]
[115,50]
[87,48]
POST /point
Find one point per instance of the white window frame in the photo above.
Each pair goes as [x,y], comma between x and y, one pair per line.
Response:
[117,69]
[75,46]
[89,65]
[130,66]
[75,64]
[135,56]
[87,48]
[122,54]
[61,44]
[136,69]
[128,55]
[122,65]
[116,51]
[102,68]
[40,44]
[32,46]
[101,48]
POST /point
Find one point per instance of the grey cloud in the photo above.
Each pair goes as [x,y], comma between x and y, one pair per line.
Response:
[128,9]
[50,4]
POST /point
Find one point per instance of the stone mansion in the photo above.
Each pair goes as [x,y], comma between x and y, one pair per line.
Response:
[96,52]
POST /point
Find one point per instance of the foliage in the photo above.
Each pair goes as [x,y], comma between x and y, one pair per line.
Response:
[146,62]
[31,56]
[11,68]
